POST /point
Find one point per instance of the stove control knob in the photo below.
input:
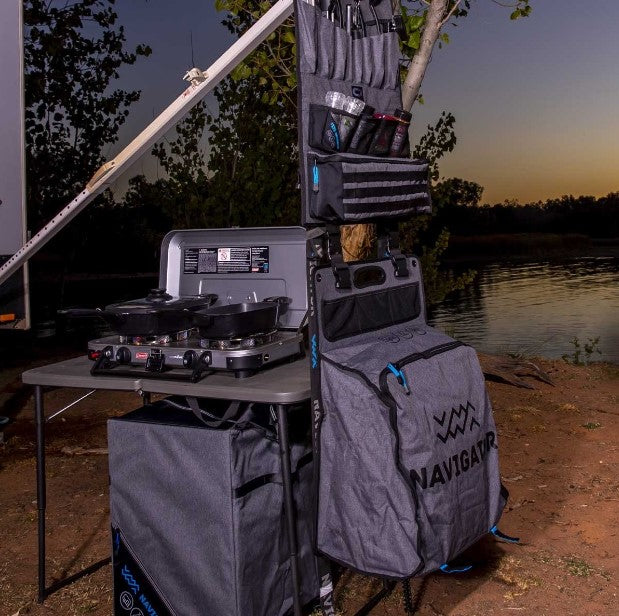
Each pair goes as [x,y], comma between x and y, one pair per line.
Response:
[189,359]
[123,355]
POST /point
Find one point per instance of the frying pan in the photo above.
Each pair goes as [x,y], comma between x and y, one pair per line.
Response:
[158,313]
[240,320]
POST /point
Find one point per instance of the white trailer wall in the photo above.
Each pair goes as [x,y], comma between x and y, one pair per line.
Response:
[13,293]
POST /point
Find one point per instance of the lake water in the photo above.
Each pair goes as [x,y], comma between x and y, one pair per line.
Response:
[534,308]
[537,308]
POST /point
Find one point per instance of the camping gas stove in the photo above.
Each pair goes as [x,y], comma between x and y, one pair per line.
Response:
[238,266]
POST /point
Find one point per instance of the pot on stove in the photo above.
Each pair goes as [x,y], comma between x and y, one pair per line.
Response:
[157,313]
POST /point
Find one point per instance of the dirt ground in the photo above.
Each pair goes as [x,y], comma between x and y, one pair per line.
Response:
[559,459]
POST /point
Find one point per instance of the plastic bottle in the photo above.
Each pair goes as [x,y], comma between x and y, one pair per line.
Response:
[399,143]
[362,136]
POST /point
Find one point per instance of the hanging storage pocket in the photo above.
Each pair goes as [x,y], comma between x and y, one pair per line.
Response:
[351,188]
[330,129]
[361,313]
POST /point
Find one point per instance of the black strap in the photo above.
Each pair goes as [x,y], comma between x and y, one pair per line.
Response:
[231,411]
[339,266]
[389,246]
[416,177]
[407,193]
[407,596]
[262,480]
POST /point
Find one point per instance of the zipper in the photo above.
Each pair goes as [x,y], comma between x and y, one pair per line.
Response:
[428,353]
[395,368]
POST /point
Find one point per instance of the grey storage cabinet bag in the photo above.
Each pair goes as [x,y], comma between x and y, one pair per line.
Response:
[197,515]
[405,438]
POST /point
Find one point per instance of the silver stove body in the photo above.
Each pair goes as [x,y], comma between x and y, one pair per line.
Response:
[238,265]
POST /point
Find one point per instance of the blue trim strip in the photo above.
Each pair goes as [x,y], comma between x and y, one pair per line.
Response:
[447,569]
[503,537]
[314,352]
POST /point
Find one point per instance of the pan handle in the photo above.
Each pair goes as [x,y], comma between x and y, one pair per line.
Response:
[113,319]
[282,304]
[82,312]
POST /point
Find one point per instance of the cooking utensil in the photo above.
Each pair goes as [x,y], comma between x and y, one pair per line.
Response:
[335,12]
[373,5]
[157,313]
[240,320]
[358,20]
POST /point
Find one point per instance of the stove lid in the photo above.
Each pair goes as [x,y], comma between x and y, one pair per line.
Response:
[238,265]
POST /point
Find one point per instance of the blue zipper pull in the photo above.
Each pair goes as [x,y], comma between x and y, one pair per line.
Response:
[315,176]
[336,135]
[401,378]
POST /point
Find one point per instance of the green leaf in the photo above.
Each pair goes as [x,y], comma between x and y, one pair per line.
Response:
[414,39]
[289,37]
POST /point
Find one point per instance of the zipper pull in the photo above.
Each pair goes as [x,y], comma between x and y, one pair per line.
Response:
[401,378]
[316,177]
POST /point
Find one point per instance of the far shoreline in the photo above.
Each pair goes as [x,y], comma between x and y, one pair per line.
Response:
[523,247]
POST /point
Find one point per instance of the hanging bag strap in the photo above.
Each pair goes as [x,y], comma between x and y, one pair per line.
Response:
[214,422]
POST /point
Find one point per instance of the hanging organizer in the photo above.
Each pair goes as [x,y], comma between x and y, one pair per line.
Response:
[405,445]
[344,179]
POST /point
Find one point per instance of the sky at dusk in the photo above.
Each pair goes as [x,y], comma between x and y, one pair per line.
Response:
[535,101]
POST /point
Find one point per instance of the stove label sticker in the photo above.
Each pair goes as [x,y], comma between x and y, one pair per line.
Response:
[200,261]
[227,260]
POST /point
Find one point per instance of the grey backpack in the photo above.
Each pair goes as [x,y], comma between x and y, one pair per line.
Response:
[403,432]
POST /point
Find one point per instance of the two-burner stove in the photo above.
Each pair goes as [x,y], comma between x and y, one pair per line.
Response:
[237,265]
[195,357]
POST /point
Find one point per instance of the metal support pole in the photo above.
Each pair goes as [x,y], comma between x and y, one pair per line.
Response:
[289,509]
[41,489]
[202,82]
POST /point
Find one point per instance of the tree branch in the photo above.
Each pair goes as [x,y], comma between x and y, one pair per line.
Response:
[451,12]
[419,63]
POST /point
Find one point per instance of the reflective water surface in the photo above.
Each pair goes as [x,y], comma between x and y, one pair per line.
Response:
[537,308]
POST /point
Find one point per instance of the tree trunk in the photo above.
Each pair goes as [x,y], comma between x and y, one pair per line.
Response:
[357,241]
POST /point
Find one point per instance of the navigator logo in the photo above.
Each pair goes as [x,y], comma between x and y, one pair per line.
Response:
[458,420]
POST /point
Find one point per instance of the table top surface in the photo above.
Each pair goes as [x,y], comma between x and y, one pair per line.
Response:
[284,384]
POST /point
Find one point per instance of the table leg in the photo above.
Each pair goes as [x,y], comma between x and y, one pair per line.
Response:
[291,527]
[41,488]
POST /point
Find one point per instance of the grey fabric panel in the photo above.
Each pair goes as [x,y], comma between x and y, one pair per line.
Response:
[366,515]
[261,545]
[205,549]
[456,506]
[148,462]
